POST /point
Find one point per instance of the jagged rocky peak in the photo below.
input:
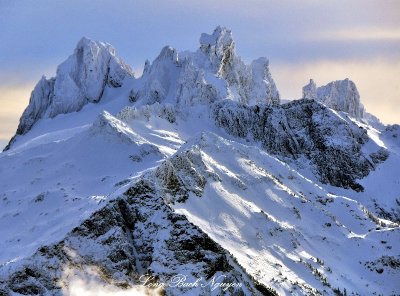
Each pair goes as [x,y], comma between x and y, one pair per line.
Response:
[263,86]
[158,78]
[81,79]
[213,72]
[253,83]
[219,47]
[310,90]
[340,95]
[91,60]
[84,75]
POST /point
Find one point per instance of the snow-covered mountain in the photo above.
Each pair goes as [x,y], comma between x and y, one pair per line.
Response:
[122,183]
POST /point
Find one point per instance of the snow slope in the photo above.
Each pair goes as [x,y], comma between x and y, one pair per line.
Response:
[284,227]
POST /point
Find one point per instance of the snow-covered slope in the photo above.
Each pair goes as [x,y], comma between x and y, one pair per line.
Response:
[195,169]
[287,229]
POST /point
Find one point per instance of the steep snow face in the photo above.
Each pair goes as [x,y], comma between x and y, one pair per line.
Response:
[67,178]
[113,127]
[277,219]
[340,95]
[81,79]
[373,121]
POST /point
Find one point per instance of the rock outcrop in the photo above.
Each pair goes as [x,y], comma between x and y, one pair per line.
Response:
[303,128]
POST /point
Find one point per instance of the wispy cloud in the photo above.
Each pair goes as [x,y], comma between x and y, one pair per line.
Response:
[357,34]
[88,282]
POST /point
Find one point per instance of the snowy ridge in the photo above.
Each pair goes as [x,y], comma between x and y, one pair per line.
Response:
[212,73]
[196,168]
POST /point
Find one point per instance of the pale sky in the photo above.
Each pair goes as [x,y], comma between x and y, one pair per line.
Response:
[324,40]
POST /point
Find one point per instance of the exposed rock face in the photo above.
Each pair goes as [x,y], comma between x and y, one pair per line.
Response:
[184,173]
[135,235]
[81,79]
[302,128]
[340,95]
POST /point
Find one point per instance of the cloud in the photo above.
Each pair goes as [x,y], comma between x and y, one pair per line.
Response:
[376,80]
[88,282]
[358,34]
[42,31]
[80,287]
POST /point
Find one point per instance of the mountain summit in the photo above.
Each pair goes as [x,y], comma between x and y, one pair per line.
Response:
[80,80]
[340,95]
[196,172]
[212,73]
